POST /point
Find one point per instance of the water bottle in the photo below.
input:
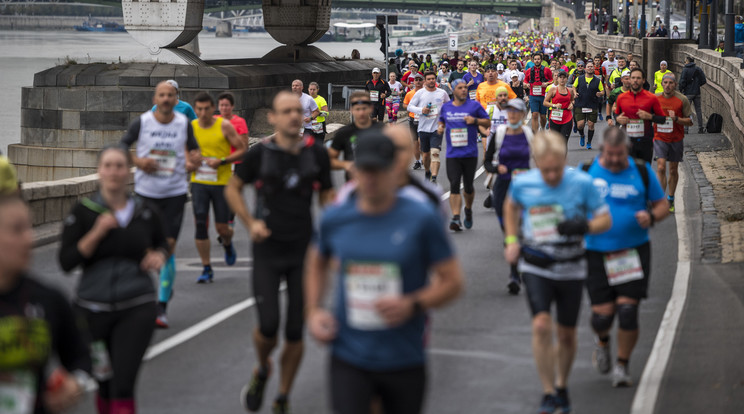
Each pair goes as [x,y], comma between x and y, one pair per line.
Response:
[428,106]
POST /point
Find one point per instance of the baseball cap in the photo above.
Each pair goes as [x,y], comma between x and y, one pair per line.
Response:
[517,104]
[515,74]
[373,150]
[8,176]
[376,70]
[445,63]
[562,73]
[491,67]
[625,73]
[418,76]
[580,63]
[172,83]
[500,66]
[609,50]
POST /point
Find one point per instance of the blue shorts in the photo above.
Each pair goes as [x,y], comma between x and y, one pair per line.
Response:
[536,105]
[430,140]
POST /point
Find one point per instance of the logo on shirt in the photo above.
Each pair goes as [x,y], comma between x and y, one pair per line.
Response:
[601,185]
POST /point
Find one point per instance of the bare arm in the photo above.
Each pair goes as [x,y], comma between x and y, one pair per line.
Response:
[336,163]
[512,211]
[236,141]
[600,224]
[326,197]
[234,196]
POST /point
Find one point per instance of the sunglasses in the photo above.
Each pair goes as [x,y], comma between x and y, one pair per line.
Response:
[361,103]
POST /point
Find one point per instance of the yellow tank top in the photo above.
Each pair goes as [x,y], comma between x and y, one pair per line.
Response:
[213,144]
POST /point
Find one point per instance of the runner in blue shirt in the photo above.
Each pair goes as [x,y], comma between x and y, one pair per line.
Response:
[182,106]
[473,78]
[460,119]
[377,330]
[553,203]
[619,260]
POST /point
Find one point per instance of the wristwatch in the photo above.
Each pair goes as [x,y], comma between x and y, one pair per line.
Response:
[418,309]
[223,161]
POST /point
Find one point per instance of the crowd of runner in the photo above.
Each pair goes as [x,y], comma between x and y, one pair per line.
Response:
[516,100]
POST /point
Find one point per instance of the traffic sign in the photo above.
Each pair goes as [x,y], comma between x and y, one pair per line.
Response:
[453,42]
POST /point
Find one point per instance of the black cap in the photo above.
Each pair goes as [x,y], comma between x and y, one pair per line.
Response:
[373,150]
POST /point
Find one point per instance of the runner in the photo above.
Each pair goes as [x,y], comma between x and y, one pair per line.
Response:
[280,230]
[609,66]
[624,87]
[619,260]
[408,77]
[428,103]
[560,100]
[635,110]
[166,151]
[537,79]
[487,95]
[499,116]
[553,202]
[319,123]
[443,78]
[668,145]
[589,91]
[473,78]
[118,240]
[658,75]
[226,104]
[458,73]
[378,339]
[310,109]
[180,106]
[413,119]
[459,122]
[378,91]
[507,156]
[215,137]
[614,77]
[392,102]
[345,138]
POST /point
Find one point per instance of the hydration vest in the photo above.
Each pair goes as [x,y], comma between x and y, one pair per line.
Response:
[587,93]
[274,178]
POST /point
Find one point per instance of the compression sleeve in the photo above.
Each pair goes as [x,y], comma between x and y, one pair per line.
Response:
[191,143]
[132,134]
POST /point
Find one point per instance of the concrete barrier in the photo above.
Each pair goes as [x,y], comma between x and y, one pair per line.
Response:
[50,201]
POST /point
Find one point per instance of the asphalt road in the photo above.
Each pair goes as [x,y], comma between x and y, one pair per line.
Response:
[480,359]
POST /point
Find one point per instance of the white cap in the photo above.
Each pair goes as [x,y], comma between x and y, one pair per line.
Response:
[172,83]
[609,50]
[376,70]
[500,66]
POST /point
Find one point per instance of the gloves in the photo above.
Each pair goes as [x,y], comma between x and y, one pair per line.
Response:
[574,227]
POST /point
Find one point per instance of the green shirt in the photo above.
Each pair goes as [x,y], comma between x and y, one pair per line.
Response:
[614,94]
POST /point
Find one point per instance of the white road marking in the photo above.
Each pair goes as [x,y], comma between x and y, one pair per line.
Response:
[198,328]
[647,391]
[477,174]
[193,264]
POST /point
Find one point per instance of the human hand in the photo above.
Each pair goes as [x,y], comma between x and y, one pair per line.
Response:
[322,325]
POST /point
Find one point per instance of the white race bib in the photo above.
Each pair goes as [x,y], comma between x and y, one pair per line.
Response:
[472,95]
[416,117]
[586,110]
[537,90]
[519,171]
[433,110]
[623,267]
[667,127]
[17,392]
[544,222]
[635,128]
[166,162]
[459,137]
[374,96]
[366,283]
[317,127]
[556,115]
[206,173]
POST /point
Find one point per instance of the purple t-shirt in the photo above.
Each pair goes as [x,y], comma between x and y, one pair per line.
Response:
[477,80]
[514,154]
[462,139]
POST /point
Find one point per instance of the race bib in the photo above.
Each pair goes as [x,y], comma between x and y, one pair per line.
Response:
[537,90]
[433,110]
[635,128]
[17,392]
[471,94]
[544,222]
[556,114]
[519,171]
[586,110]
[166,162]
[459,137]
[366,283]
[665,128]
[206,173]
[623,267]
[374,96]
[101,361]
[317,127]
[416,117]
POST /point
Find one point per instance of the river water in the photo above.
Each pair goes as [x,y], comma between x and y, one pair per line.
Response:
[24,53]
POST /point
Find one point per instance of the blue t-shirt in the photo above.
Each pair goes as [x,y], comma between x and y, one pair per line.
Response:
[529,65]
[477,79]
[401,244]
[625,195]
[184,108]
[543,207]
[465,142]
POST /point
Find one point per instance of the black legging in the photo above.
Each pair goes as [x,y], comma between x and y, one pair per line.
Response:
[461,169]
[273,261]
[127,334]
[563,129]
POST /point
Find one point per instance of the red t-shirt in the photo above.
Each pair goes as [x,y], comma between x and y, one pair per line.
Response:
[241,127]
[565,101]
[629,103]
[672,131]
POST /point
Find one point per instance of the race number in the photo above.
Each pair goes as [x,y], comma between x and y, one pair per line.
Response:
[366,283]
[623,267]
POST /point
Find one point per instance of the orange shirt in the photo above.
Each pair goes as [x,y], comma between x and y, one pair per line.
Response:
[407,100]
[486,93]
[672,131]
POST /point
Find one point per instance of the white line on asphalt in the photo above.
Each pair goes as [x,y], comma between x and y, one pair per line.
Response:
[647,392]
[492,356]
[477,174]
[200,327]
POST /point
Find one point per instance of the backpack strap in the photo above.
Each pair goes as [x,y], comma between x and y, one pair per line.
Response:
[643,171]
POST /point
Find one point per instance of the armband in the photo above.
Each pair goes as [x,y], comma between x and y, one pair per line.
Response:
[510,240]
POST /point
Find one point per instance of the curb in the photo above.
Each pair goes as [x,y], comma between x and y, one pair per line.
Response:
[711,237]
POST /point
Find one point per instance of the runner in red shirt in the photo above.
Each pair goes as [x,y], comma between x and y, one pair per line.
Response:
[225,104]
[635,110]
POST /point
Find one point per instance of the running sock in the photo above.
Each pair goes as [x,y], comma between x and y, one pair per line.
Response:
[103,406]
[167,276]
[263,372]
[604,339]
[208,268]
[456,217]
[622,361]
[125,406]
[670,197]
[591,135]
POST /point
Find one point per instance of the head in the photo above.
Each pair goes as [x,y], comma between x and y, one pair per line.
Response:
[621,62]
[611,54]
[297,87]
[204,107]
[114,163]
[738,19]
[428,58]
[512,64]
[502,96]
[165,97]
[613,153]
[445,67]
[633,64]
[669,83]
[637,77]
[491,74]
[589,69]
[515,78]
[16,237]
[720,44]
[580,66]
[413,67]
[444,56]
[689,59]
[392,77]
[285,114]
[515,112]
[597,61]
[625,79]
[562,78]
[226,104]
[460,65]
[430,80]
[313,88]
[675,28]
[537,59]
[549,151]
[376,74]
[663,65]
[361,107]
[460,89]
[374,165]
[472,65]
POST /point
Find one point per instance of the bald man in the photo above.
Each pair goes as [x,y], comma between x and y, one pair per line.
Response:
[166,151]
[310,109]
[290,169]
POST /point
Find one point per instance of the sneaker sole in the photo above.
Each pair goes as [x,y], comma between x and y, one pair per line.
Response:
[513,288]
[623,384]
[595,364]
[243,399]
[455,227]
[203,282]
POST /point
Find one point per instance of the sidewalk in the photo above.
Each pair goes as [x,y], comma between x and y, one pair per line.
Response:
[705,371]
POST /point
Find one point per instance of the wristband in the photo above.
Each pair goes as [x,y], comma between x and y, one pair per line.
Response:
[653,219]
[223,161]
[418,309]
[510,240]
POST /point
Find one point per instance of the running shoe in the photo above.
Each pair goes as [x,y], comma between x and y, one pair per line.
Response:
[455,225]
[562,401]
[621,377]
[601,359]
[581,141]
[417,165]
[427,175]
[161,321]
[589,145]
[433,179]
[599,115]
[251,396]
[230,255]
[671,206]
[548,404]
[513,285]
[576,131]
[488,203]
[701,130]
[281,405]
[468,218]
[207,276]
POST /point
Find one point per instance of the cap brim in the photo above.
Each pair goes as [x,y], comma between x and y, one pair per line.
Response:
[372,162]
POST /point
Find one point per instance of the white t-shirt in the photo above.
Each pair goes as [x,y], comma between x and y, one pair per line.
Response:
[498,118]
[308,106]
[609,66]
[424,97]
[396,87]
[508,75]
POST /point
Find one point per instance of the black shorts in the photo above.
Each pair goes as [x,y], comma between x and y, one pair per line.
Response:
[201,197]
[461,169]
[378,111]
[600,290]
[414,128]
[541,292]
[642,149]
[171,212]
[430,140]
[352,389]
